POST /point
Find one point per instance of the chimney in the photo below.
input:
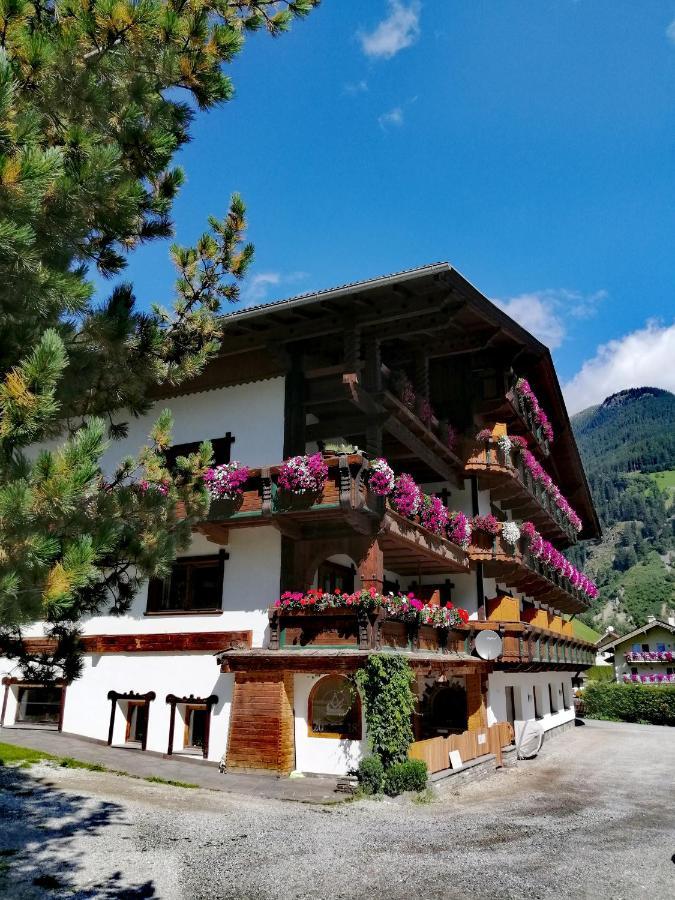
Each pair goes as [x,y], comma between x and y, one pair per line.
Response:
[651,619]
[671,620]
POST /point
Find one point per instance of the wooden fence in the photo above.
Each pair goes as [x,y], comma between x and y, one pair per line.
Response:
[435,751]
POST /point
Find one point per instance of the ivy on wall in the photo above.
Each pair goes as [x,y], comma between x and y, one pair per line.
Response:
[385,683]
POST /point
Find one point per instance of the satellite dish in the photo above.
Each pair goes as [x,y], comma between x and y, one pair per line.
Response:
[488,644]
[530,740]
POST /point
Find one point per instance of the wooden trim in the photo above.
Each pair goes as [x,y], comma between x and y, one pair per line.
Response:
[114,697]
[204,702]
[325,734]
[190,641]
[6,682]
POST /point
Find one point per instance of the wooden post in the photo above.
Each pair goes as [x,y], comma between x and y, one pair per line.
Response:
[62,708]
[4,702]
[294,407]
[112,696]
[371,567]
[172,725]
[372,379]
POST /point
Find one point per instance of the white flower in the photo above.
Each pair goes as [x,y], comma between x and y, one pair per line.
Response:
[504,443]
[510,532]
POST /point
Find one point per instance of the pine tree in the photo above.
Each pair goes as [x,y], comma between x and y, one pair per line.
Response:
[90,121]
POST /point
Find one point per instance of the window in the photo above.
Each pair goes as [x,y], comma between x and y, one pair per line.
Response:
[196,716]
[332,577]
[661,648]
[510,705]
[195,585]
[137,721]
[637,648]
[334,709]
[222,448]
[39,705]
[538,714]
[553,697]
[645,648]
[634,670]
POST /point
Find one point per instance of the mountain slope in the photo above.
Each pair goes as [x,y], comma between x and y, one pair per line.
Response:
[627,444]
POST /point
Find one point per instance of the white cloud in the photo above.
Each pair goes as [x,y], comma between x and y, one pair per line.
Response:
[399,30]
[670,32]
[545,313]
[356,87]
[393,117]
[257,287]
[643,358]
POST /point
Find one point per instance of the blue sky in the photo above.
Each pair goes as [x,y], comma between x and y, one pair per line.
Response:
[528,142]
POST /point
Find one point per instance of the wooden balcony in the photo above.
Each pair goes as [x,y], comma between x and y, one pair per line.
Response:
[344,496]
[500,402]
[536,639]
[511,483]
[348,629]
[515,567]
[345,505]
[525,646]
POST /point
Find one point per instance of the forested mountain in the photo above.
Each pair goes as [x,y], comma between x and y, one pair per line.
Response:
[628,447]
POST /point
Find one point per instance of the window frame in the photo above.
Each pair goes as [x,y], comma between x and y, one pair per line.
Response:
[334,735]
[19,719]
[159,589]
[191,708]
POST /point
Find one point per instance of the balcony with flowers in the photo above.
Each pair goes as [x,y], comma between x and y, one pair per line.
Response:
[650,678]
[521,484]
[416,532]
[517,555]
[366,619]
[507,398]
[650,656]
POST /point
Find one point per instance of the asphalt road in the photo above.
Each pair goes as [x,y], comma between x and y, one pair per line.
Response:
[593,816]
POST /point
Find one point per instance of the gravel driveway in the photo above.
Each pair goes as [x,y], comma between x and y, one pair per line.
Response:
[593,816]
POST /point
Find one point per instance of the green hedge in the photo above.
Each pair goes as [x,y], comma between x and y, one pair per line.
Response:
[630,703]
[410,775]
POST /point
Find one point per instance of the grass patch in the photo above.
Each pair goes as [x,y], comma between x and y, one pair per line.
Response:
[155,779]
[585,632]
[424,797]
[67,762]
[24,758]
[10,754]
[665,480]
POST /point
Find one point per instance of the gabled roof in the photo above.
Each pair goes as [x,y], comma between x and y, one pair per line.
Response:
[657,623]
[326,311]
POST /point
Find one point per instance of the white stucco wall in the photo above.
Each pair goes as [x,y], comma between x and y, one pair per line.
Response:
[250,587]
[253,413]
[328,756]
[87,709]
[524,685]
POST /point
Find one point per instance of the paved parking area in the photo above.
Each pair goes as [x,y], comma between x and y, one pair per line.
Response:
[593,816]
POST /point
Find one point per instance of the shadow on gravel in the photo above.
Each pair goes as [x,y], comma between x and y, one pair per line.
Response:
[38,824]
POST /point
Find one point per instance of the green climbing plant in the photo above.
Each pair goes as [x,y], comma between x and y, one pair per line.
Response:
[385,684]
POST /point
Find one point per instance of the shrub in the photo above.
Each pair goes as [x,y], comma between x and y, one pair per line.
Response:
[371,775]
[630,703]
[410,775]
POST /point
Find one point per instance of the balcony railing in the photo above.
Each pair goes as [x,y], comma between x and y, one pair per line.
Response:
[649,656]
[511,483]
[501,402]
[344,629]
[515,566]
[651,678]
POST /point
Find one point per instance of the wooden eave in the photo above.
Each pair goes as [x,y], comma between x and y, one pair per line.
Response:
[321,660]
